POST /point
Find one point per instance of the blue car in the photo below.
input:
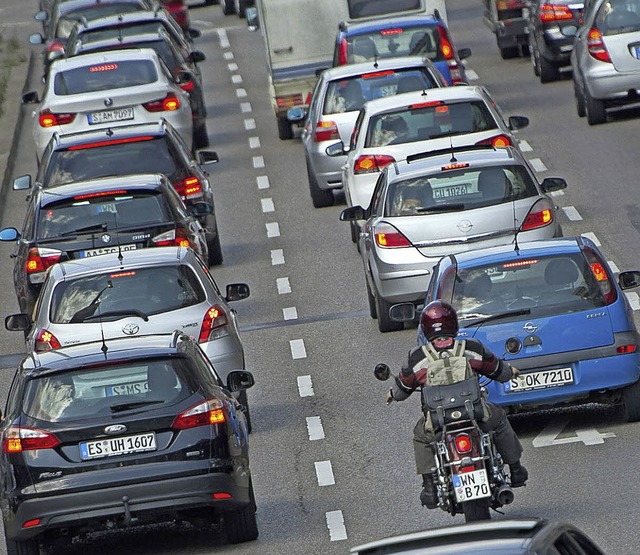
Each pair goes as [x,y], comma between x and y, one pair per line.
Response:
[426,36]
[554,310]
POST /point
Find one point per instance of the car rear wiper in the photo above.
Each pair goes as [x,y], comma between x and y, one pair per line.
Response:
[456,207]
[110,313]
[520,312]
[133,405]
[87,229]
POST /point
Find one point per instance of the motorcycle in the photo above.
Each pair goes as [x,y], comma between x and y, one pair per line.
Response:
[469,473]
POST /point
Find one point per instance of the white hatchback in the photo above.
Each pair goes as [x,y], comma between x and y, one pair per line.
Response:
[392,128]
[109,89]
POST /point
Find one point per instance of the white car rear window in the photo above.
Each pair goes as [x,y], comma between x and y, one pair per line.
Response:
[104,77]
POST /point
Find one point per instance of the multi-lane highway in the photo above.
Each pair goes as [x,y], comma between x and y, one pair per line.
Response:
[332,465]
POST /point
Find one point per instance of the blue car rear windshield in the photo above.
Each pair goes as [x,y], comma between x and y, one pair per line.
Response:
[104,77]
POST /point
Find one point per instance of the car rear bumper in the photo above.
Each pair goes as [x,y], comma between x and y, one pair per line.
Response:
[123,505]
[605,83]
[556,47]
[326,169]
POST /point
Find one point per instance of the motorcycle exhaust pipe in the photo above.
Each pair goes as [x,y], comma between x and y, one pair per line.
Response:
[504,495]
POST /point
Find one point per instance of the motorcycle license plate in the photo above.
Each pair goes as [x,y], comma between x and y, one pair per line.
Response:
[471,485]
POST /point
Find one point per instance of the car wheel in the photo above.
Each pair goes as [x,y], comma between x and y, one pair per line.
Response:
[215,250]
[241,525]
[594,109]
[631,402]
[534,60]
[579,100]
[200,135]
[227,6]
[28,547]
[385,323]
[242,9]
[244,401]
[285,129]
[355,232]
[319,196]
[549,71]
[372,303]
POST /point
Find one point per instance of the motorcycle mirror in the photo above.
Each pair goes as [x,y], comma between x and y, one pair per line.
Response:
[382,372]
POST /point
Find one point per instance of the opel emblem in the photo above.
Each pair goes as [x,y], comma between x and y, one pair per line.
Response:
[530,327]
[115,429]
[130,329]
[465,226]
[106,238]
[108,101]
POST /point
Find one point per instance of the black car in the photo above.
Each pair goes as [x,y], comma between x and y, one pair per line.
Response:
[130,149]
[181,62]
[121,433]
[99,216]
[552,28]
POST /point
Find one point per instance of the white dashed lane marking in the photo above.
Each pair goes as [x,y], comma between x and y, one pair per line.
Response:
[305,386]
[524,146]
[572,213]
[290,313]
[249,124]
[224,39]
[254,142]
[232,67]
[236,79]
[593,237]
[335,524]
[283,286]
[262,182]
[297,349]
[324,473]
[471,75]
[538,165]
[228,55]
[245,107]
[315,428]
[277,257]
[634,299]
[267,205]
[258,162]
[273,229]
[241,93]
[613,266]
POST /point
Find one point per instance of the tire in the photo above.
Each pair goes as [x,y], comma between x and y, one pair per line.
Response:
[241,525]
[227,6]
[508,52]
[285,129]
[355,232]
[244,401]
[534,60]
[200,135]
[28,547]
[580,107]
[373,311]
[476,510]
[631,402]
[548,71]
[320,197]
[594,109]
[385,323]
[242,9]
[215,250]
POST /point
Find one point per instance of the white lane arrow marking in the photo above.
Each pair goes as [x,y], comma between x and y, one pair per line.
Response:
[549,436]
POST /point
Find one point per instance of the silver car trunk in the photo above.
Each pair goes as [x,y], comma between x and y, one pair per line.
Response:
[624,50]
[108,100]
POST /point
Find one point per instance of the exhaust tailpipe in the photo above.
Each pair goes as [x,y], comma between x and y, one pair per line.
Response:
[504,495]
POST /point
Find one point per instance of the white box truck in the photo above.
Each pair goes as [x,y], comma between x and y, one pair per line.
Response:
[299,37]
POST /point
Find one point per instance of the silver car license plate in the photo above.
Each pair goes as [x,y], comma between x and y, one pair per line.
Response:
[107,116]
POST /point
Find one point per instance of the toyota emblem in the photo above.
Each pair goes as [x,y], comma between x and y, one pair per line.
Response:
[131,329]
[530,327]
[115,429]
[106,238]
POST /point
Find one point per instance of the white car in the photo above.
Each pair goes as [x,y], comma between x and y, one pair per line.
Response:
[111,88]
[392,128]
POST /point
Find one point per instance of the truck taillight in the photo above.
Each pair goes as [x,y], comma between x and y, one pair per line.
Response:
[46,118]
[207,413]
[17,439]
[214,324]
[371,163]
[169,103]
[326,131]
[596,46]
[45,341]
[554,12]
[289,100]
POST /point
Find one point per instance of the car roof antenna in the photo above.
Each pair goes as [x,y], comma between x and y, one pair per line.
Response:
[375,61]
[453,152]
[117,230]
[516,228]
[104,347]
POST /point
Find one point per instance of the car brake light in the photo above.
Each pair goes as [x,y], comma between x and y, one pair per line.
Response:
[377,74]
[189,188]
[17,439]
[342,52]
[55,46]
[626,349]
[553,12]
[371,163]
[428,104]
[31,523]
[540,215]
[206,413]
[45,341]
[499,141]
[169,103]
[596,46]
[98,144]
[445,44]
[454,71]
[389,237]
[326,131]
[463,443]
[602,276]
[39,259]
[101,194]
[214,324]
[173,238]
[222,495]
[46,118]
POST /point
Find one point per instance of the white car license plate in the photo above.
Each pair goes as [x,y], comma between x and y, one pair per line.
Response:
[471,485]
[447,192]
[118,446]
[106,250]
[540,380]
[107,116]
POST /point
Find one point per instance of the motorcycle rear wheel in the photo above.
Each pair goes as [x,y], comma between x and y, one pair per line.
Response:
[477,510]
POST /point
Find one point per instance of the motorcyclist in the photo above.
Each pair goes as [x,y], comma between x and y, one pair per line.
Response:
[439,323]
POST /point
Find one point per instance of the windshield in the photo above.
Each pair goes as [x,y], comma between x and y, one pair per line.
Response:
[547,285]
[103,77]
[473,188]
[95,11]
[424,121]
[147,290]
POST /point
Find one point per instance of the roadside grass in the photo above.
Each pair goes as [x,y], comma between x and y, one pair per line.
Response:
[11,55]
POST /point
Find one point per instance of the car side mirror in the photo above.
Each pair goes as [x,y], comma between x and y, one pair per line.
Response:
[194,33]
[629,279]
[403,312]
[9,234]
[296,114]
[207,157]
[197,56]
[550,184]
[464,53]
[238,380]
[36,39]
[353,214]
[201,209]
[253,22]
[237,292]
[41,16]
[518,122]
[18,322]
[337,149]
[22,183]
[30,98]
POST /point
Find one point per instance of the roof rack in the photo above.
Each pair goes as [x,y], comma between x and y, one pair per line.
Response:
[431,153]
